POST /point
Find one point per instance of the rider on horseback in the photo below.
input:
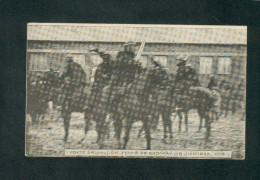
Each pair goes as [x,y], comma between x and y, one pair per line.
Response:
[186,75]
[126,65]
[103,72]
[125,69]
[74,79]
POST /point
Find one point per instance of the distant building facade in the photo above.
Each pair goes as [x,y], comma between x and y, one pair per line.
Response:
[224,57]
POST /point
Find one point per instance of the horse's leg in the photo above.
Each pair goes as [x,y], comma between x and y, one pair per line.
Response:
[102,134]
[201,119]
[99,128]
[148,135]
[127,133]
[164,128]
[118,131]
[87,124]
[66,118]
[186,121]
[180,121]
[208,126]
[170,128]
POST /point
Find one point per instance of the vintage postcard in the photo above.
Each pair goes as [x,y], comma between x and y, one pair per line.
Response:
[142,91]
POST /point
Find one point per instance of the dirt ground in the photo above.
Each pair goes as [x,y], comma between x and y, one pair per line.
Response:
[46,137]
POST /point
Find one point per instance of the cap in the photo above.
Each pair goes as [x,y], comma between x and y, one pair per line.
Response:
[181,58]
[189,65]
[68,56]
[106,55]
[130,43]
[182,63]
[93,49]
[211,75]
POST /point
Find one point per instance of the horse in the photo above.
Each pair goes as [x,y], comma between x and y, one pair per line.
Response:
[137,103]
[97,108]
[198,98]
[37,100]
[180,100]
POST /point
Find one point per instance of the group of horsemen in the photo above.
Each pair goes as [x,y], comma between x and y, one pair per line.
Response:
[121,72]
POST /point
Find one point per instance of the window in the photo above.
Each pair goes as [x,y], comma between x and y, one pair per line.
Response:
[38,62]
[162,60]
[205,65]
[224,65]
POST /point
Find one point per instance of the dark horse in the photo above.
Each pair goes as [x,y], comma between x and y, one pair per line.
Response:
[198,98]
[138,103]
[37,103]
[97,108]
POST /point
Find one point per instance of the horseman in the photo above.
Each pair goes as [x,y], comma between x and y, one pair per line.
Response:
[126,65]
[102,77]
[212,82]
[157,80]
[124,70]
[192,76]
[74,79]
[103,72]
[186,75]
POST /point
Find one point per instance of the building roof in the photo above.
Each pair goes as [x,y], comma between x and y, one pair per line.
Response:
[138,33]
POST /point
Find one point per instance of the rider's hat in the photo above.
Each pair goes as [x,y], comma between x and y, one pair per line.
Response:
[129,43]
[105,55]
[93,50]
[182,60]
[189,65]
[69,57]
[211,75]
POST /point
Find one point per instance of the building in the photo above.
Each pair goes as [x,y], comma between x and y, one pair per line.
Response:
[219,50]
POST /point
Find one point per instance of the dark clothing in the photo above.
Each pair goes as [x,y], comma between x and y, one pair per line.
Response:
[74,80]
[103,75]
[192,78]
[181,73]
[125,68]
[224,85]
[185,78]
[75,74]
[212,83]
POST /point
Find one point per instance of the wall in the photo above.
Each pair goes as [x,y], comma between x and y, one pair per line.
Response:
[45,54]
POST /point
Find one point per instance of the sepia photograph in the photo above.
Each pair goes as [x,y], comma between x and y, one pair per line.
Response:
[135,90]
